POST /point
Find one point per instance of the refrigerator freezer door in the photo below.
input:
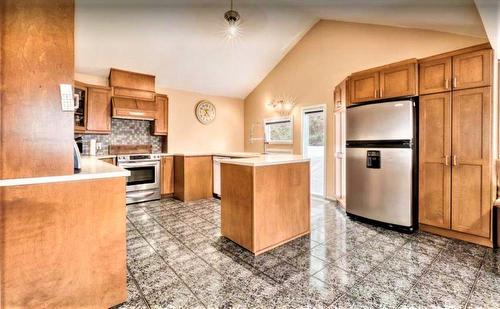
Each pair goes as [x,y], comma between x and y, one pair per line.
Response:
[379,184]
[380,121]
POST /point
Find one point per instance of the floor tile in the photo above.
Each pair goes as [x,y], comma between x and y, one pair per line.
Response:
[178,259]
[431,297]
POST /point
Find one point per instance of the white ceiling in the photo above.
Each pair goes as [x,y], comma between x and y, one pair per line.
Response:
[182,41]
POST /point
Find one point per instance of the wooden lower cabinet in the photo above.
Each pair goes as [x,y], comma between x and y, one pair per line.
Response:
[455,164]
[471,174]
[434,156]
[167,175]
[108,160]
[192,177]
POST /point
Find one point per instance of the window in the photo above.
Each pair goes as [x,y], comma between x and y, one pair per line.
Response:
[279,130]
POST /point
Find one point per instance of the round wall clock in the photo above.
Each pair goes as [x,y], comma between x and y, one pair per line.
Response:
[205,111]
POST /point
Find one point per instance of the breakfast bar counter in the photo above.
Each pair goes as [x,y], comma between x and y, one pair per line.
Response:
[265,200]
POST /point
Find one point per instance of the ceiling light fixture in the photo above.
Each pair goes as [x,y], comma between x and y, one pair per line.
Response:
[283,104]
[232,18]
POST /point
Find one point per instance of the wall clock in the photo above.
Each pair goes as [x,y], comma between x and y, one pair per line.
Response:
[205,111]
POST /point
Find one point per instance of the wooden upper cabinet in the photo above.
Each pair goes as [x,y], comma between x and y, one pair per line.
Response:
[435,75]
[167,175]
[364,86]
[80,118]
[161,119]
[341,94]
[98,110]
[398,80]
[472,69]
[132,85]
[435,160]
[471,173]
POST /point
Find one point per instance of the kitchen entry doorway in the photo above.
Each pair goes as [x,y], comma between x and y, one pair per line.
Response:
[313,145]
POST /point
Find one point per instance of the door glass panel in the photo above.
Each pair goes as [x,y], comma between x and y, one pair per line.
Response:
[314,148]
[141,175]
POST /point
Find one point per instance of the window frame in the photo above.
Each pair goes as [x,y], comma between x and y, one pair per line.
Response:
[267,134]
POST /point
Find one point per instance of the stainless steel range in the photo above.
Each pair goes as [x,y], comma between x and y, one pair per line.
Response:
[143,184]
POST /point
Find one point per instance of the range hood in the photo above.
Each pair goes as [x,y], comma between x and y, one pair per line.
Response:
[126,108]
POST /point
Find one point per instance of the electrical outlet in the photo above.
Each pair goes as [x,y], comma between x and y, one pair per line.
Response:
[98,146]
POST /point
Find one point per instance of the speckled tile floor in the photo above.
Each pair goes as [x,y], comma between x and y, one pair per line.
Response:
[177,259]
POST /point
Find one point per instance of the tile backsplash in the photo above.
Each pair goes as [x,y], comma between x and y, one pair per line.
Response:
[123,132]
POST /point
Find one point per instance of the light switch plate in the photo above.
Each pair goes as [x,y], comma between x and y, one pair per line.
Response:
[67,98]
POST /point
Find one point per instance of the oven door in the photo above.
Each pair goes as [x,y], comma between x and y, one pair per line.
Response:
[143,175]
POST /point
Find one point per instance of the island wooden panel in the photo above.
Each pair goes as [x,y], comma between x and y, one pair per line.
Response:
[192,177]
[37,55]
[237,211]
[63,245]
[281,204]
[265,206]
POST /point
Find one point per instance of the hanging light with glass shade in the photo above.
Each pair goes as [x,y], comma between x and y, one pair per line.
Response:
[232,18]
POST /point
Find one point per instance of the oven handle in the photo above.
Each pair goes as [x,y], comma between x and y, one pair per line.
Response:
[140,194]
[125,165]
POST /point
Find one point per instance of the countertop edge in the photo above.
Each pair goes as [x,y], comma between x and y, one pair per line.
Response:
[256,164]
[92,169]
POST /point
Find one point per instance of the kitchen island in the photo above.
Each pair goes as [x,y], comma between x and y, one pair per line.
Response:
[265,200]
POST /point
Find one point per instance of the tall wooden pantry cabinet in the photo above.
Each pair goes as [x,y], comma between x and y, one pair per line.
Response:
[455,197]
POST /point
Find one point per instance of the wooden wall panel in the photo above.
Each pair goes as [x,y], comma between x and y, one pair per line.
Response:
[64,252]
[37,56]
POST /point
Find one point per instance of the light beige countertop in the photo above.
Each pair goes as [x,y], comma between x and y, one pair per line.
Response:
[265,160]
[220,154]
[92,168]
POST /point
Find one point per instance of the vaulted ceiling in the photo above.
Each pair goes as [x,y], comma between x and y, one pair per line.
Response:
[182,42]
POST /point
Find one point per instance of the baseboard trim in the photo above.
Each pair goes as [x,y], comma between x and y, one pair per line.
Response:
[487,242]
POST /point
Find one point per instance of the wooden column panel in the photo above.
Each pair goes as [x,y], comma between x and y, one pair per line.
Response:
[63,245]
[167,175]
[435,75]
[435,160]
[37,55]
[398,81]
[471,143]
[472,69]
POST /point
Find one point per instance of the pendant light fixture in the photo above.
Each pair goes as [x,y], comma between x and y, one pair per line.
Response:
[232,18]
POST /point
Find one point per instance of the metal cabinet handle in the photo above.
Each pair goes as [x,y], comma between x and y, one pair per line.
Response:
[455,161]
[381,93]
[454,82]
[446,160]
[447,84]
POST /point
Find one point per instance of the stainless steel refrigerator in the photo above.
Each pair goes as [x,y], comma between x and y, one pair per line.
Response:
[381,166]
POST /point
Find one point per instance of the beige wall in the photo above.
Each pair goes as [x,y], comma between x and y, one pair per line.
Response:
[185,132]
[329,52]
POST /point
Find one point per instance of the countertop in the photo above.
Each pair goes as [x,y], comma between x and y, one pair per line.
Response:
[264,160]
[220,154]
[92,168]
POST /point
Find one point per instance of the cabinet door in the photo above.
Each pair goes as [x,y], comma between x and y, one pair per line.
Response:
[435,75]
[472,69]
[364,87]
[435,161]
[161,119]
[79,115]
[398,81]
[98,110]
[167,175]
[337,97]
[471,142]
